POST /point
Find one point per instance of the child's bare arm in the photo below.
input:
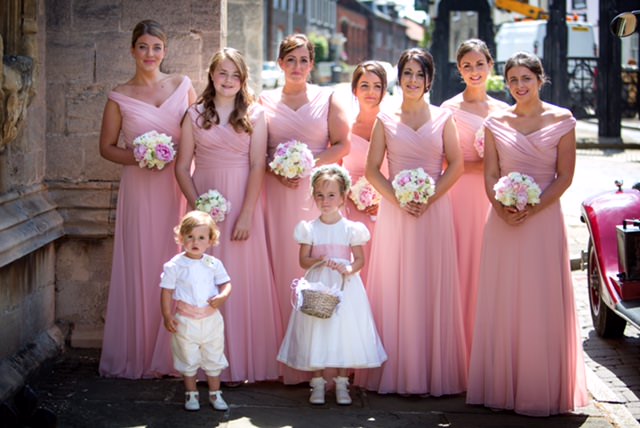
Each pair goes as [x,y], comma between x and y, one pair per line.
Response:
[217,300]
[306,261]
[166,297]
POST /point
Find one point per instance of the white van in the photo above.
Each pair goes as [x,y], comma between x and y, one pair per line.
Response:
[529,36]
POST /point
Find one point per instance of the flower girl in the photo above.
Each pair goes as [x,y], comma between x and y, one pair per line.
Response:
[347,339]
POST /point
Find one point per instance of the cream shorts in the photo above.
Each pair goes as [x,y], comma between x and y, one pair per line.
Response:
[199,343]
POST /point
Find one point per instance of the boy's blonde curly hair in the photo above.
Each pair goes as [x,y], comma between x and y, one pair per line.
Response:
[193,219]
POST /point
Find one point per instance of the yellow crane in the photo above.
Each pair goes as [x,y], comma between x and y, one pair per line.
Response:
[523,8]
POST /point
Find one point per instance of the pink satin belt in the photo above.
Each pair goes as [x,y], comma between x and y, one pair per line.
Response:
[194,312]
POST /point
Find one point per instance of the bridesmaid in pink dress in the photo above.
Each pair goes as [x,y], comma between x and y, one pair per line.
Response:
[413,279]
[226,132]
[151,100]
[526,354]
[368,84]
[470,203]
[311,114]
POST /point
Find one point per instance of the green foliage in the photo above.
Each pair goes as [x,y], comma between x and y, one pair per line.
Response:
[321,46]
[495,83]
[428,35]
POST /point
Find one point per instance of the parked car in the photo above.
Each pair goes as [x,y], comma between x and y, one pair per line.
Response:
[271,75]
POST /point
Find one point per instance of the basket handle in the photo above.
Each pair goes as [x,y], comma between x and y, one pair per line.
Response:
[320,263]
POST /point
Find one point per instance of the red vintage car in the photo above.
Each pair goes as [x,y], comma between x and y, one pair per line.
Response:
[613,259]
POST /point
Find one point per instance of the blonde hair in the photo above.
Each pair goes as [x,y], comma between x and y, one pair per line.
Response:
[193,219]
[331,172]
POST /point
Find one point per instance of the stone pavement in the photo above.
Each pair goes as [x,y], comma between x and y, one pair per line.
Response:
[80,398]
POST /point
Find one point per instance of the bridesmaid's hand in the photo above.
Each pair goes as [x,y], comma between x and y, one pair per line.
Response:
[291,183]
[372,210]
[241,228]
[511,215]
[415,209]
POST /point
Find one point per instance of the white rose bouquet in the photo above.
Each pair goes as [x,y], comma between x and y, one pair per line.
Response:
[413,185]
[516,189]
[214,203]
[153,150]
[292,159]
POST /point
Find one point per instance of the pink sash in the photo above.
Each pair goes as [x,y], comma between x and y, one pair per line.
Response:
[195,312]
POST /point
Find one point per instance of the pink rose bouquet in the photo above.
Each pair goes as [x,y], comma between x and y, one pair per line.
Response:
[364,195]
[478,142]
[413,185]
[214,203]
[516,189]
[292,159]
[153,150]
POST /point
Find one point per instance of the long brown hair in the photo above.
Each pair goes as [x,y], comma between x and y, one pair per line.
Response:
[239,117]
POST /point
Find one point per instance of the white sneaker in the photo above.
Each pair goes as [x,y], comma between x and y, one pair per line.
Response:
[191,401]
[216,400]
[317,390]
[342,390]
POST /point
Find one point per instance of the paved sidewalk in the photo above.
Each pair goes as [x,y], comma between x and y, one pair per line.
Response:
[82,399]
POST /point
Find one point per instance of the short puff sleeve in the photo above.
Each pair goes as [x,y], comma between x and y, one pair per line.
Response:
[169,275]
[302,233]
[358,234]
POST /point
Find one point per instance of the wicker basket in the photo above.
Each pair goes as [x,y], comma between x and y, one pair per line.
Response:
[319,304]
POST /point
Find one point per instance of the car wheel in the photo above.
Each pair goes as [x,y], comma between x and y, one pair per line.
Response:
[606,323]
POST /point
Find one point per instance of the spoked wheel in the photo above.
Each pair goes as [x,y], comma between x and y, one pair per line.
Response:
[606,323]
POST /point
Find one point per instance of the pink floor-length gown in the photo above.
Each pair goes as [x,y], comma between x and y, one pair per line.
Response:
[413,279]
[253,330]
[150,204]
[285,207]
[470,209]
[526,353]
[355,163]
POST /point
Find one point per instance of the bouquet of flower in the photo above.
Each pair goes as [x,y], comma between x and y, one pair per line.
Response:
[153,150]
[215,204]
[292,159]
[364,195]
[478,142]
[516,189]
[413,185]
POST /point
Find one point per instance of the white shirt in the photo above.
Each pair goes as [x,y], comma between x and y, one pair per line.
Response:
[194,281]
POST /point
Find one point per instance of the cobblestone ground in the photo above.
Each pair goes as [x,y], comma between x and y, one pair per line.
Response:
[615,362]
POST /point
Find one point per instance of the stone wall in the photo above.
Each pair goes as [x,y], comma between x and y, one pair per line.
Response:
[88,47]
[88,53]
[29,221]
[245,25]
